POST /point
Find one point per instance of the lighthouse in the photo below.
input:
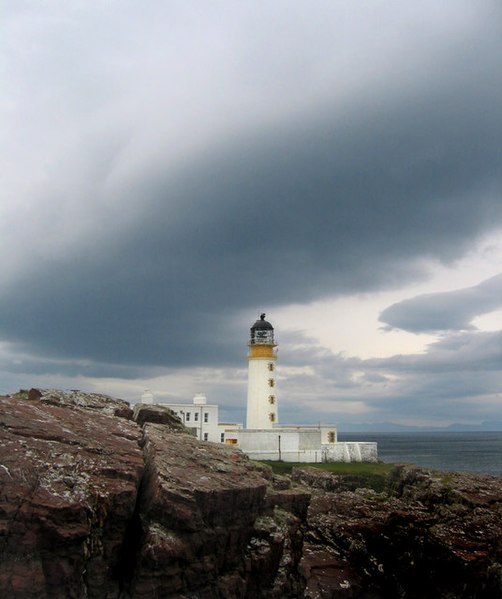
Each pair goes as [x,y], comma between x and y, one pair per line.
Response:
[262,399]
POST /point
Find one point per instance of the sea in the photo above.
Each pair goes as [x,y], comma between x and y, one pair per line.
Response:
[445,451]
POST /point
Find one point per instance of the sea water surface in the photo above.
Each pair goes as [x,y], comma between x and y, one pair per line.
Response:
[446,451]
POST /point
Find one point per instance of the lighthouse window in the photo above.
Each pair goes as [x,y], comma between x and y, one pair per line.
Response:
[331,437]
[187,417]
[206,436]
[196,416]
[271,366]
[271,417]
[206,416]
[222,437]
[271,382]
[271,399]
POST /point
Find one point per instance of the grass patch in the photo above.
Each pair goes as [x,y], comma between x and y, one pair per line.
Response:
[355,474]
[352,468]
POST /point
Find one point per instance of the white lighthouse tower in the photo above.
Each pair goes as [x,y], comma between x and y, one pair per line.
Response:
[262,400]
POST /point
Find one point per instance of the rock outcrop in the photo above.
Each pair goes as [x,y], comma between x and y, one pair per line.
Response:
[69,478]
[94,505]
[143,413]
[429,535]
[99,502]
[75,398]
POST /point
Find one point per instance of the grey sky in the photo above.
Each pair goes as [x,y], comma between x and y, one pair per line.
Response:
[171,170]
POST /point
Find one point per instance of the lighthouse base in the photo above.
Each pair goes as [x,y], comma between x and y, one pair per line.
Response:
[303,445]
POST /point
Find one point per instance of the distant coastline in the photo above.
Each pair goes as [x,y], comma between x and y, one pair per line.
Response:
[392,427]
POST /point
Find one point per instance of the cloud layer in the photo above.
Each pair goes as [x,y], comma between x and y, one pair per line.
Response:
[453,310]
[173,170]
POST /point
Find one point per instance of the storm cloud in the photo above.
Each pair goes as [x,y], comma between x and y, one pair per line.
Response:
[172,171]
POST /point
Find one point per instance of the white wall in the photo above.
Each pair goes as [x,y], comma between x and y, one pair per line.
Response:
[259,407]
[302,445]
[203,420]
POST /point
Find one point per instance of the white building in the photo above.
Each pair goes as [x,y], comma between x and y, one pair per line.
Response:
[201,418]
[264,438]
[147,397]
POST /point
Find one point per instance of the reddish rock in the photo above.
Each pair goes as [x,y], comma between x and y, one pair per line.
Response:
[69,480]
[75,398]
[76,522]
[143,413]
[198,505]
[295,500]
[318,479]
[93,505]
[329,575]
[435,536]
[34,394]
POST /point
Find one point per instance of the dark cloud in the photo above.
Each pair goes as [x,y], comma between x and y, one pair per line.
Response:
[452,310]
[321,208]
[330,199]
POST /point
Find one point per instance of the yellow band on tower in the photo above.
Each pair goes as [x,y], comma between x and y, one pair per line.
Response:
[261,351]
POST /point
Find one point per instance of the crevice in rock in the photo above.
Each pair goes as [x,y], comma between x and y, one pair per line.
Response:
[125,567]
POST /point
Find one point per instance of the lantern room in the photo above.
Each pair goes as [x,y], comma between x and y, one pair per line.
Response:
[262,332]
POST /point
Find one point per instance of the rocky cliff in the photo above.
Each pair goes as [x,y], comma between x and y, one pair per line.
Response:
[98,500]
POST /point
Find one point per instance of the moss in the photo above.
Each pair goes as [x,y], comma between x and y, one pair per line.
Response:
[446,479]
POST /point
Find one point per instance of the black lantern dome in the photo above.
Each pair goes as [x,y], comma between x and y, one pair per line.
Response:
[262,332]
